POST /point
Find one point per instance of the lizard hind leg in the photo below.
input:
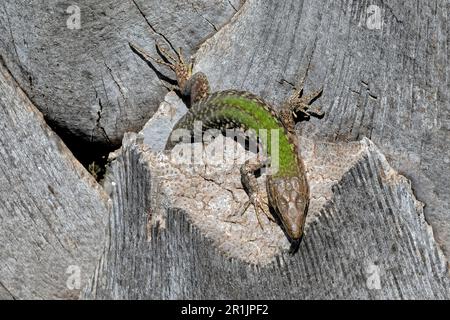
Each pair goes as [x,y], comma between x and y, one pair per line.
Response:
[149,58]
[176,63]
[167,55]
[194,86]
[183,71]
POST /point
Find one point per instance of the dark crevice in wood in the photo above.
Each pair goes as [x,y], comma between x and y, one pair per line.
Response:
[86,152]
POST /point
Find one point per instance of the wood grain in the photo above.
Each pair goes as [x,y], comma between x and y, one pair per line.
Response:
[53,214]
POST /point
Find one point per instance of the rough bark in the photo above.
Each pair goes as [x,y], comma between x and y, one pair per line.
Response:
[52,212]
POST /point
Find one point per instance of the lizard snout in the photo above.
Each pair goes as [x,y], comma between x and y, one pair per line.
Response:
[289,197]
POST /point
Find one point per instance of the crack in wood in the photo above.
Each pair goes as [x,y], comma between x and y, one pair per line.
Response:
[151,26]
[234,8]
[204,18]
[7,291]
[391,11]
[121,90]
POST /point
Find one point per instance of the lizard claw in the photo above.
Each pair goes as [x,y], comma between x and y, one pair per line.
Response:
[301,105]
[308,111]
[149,58]
[176,63]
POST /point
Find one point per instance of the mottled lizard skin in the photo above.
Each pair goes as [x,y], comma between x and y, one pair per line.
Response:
[287,188]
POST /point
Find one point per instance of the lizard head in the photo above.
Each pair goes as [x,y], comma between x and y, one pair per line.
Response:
[289,197]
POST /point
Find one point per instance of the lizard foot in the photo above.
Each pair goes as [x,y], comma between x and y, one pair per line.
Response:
[183,71]
[260,205]
[194,85]
[299,104]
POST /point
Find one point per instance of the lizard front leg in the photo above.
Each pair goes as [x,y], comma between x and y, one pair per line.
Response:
[298,104]
[250,183]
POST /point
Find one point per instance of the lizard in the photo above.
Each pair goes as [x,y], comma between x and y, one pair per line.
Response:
[287,189]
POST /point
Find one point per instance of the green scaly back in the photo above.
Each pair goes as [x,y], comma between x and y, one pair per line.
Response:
[237,109]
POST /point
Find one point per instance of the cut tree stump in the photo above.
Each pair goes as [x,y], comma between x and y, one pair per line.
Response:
[365,238]
[377,163]
[53,213]
[74,61]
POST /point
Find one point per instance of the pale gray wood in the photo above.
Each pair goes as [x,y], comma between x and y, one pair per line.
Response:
[370,223]
[5,294]
[370,241]
[87,81]
[52,212]
[389,84]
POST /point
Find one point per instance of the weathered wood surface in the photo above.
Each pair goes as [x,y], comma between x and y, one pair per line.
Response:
[52,212]
[367,235]
[371,228]
[391,85]
[5,294]
[86,80]
[369,241]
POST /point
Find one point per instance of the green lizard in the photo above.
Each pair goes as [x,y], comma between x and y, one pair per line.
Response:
[287,189]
